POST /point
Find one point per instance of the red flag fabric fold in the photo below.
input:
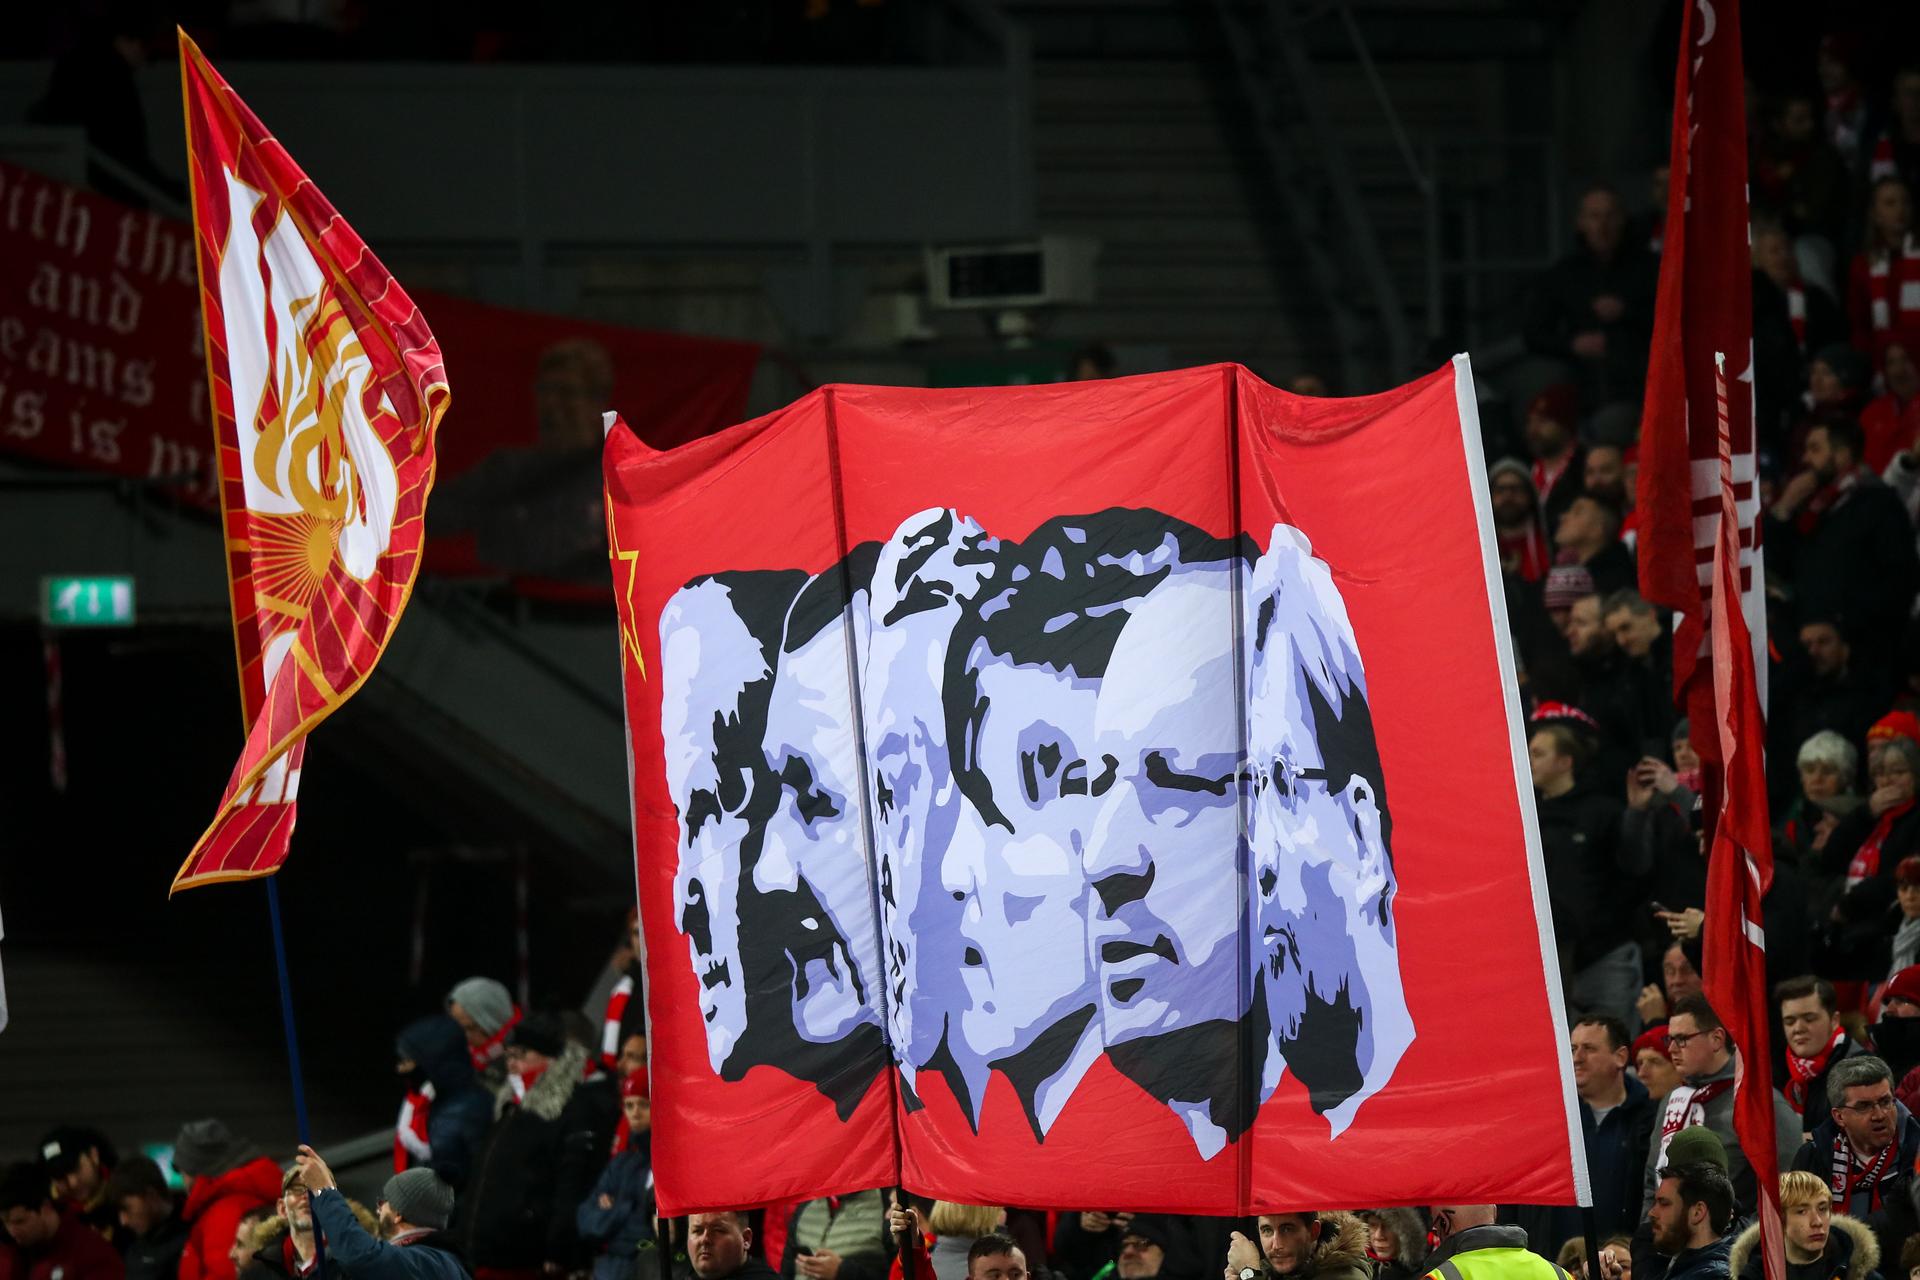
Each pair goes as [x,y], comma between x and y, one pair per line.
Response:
[327,387]
[1705,306]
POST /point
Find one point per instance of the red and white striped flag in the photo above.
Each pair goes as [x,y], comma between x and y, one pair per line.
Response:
[1705,306]
[1740,865]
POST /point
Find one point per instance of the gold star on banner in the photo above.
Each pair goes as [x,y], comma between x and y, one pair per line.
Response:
[619,556]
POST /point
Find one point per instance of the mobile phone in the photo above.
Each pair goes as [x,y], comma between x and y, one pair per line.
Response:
[802,1251]
[1661,908]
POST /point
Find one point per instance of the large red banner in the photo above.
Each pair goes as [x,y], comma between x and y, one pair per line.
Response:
[1106,793]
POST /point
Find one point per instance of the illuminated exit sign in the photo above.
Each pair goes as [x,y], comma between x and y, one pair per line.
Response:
[87,602]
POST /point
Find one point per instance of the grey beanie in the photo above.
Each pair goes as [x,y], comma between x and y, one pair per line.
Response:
[420,1198]
[487,1002]
[205,1148]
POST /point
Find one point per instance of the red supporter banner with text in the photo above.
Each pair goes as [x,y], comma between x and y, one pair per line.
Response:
[102,367]
[1103,793]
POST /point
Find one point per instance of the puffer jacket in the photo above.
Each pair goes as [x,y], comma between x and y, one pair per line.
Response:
[1852,1253]
[215,1205]
[461,1110]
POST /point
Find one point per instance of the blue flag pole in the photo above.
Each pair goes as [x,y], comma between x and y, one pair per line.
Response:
[293,1047]
[286,1013]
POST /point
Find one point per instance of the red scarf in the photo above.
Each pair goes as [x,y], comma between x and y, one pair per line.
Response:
[610,1024]
[1804,1070]
[485,1053]
[1544,480]
[1847,1183]
[410,1130]
[1826,499]
[1525,554]
[1687,1105]
[1893,289]
[1866,859]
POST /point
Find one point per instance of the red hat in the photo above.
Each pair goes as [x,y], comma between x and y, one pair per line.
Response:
[1563,713]
[635,1085]
[1904,985]
[1895,724]
[1560,402]
[1655,1038]
[1908,872]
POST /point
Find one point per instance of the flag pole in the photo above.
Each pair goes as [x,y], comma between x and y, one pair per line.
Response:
[298,1078]
[286,1013]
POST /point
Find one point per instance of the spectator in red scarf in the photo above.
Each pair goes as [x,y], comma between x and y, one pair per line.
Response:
[486,1012]
[1816,1042]
[1841,538]
[1891,421]
[1517,528]
[1869,842]
[1881,307]
[1559,463]
[1703,1055]
[1610,475]
[1865,1149]
[444,1118]
[1896,151]
[1792,319]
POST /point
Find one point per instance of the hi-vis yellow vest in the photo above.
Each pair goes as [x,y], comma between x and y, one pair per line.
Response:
[1497,1264]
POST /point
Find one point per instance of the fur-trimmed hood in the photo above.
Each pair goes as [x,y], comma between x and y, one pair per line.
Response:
[1863,1256]
[1409,1232]
[1342,1251]
[549,1095]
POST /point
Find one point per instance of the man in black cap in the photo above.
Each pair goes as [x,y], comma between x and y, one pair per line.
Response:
[78,1162]
[414,1209]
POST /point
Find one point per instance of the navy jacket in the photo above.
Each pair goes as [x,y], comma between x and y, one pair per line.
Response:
[362,1257]
[462,1109]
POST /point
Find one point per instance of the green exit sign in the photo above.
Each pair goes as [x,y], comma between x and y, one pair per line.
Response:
[87,602]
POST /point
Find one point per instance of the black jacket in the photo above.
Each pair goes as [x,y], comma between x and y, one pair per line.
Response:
[1708,1262]
[540,1160]
[1586,887]
[1858,563]
[156,1255]
[1562,307]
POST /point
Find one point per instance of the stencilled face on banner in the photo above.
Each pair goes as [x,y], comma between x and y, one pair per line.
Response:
[1014,865]
[1321,870]
[1165,919]
[811,850]
[925,575]
[710,662]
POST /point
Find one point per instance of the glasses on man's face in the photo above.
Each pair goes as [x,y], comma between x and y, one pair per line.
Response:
[1868,1106]
[1681,1039]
